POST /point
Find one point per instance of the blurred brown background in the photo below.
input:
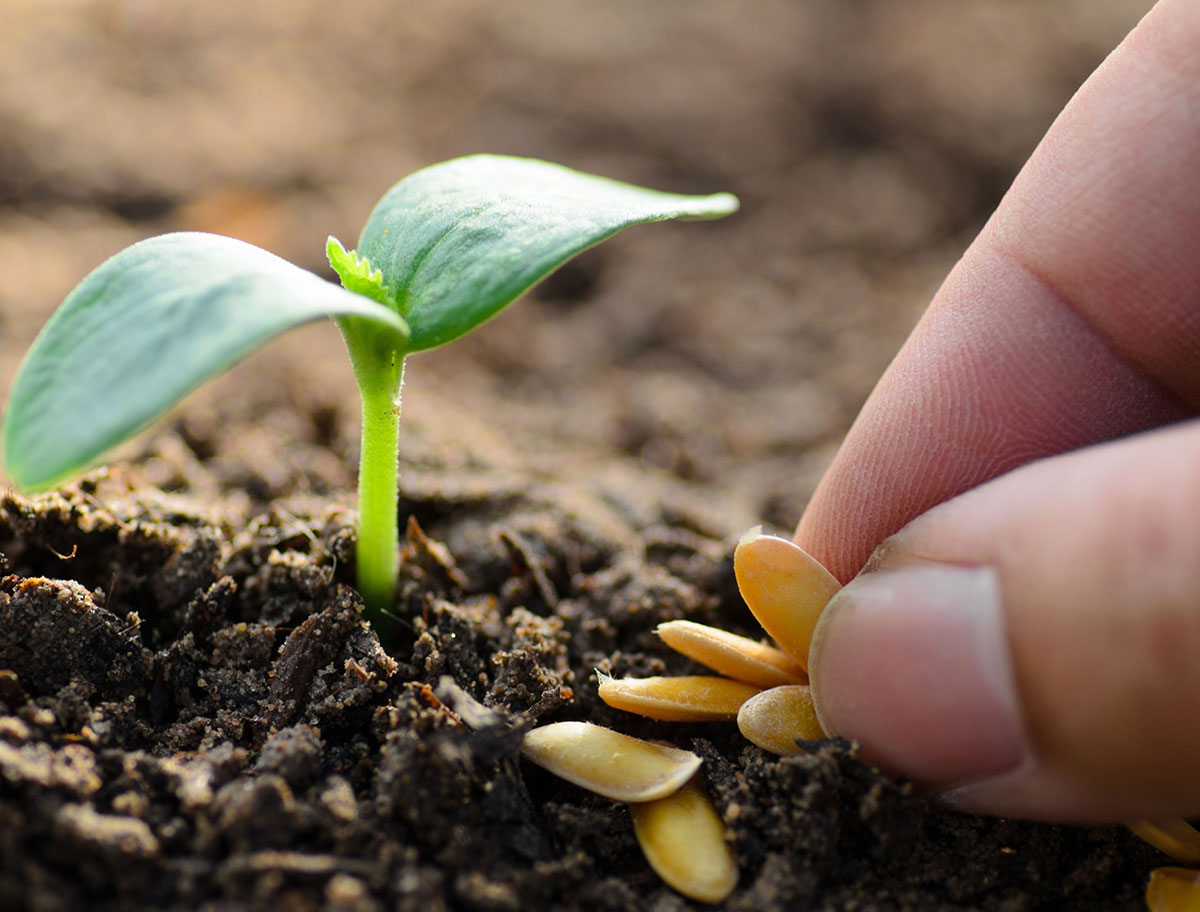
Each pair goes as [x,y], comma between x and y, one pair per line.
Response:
[867,139]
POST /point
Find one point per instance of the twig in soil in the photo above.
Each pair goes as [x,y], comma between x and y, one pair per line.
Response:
[308,532]
[469,711]
[60,555]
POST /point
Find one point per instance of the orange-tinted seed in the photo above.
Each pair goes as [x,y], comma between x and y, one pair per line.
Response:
[609,763]
[777,718]
[736,656]
[1173,836]
[683,838]
[785,588]
[696,698]
[1173,890]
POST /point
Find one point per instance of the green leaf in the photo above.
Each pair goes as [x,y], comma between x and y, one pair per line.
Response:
[145,328]
[458,241]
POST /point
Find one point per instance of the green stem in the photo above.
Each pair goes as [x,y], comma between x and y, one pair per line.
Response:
[378,534]
[380,373]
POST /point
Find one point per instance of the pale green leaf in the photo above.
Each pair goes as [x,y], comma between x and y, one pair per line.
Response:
[458,241]
[142,330]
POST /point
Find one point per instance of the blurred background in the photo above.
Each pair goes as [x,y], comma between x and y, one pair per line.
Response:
[867,139]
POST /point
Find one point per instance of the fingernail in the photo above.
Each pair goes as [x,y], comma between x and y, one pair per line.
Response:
[914,664]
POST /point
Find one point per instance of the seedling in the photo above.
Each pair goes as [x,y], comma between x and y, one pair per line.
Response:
[444,250]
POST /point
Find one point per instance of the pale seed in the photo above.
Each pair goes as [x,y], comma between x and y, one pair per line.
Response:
[777,718]
[684,840]
[738,657]
[694,698]
[786,589]
[1173,890]
[1173,836]
[609,763]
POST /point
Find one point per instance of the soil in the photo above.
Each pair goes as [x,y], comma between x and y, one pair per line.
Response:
[193,713]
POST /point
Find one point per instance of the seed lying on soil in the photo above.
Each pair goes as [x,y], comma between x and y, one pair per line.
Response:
[609,763]
[1173,890]
[683,838]
[1172,836]
[777,718]
[738,657]
[690,698]
[785,587]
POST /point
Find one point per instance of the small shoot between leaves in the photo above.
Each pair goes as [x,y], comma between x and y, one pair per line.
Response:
[444,250]
[356,273]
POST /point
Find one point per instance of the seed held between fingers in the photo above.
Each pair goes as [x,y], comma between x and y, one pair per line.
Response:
[777,718]
[1173,890]
[1173,836]
[736,656]
[694,698]
[609,763]
[785,588]
[683,839]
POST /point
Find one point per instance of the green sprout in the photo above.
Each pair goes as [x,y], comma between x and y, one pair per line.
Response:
[444,250]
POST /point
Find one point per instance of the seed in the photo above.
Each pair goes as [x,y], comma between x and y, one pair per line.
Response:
[777,718]
[609,763]
[695,698]
[785,587]
[738,657]
[1173,836]
[1173,890]
[683,838]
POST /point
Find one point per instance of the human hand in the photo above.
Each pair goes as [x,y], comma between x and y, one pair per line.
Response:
[1027,636]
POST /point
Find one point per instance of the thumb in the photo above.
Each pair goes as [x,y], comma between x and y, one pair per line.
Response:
[1032,647]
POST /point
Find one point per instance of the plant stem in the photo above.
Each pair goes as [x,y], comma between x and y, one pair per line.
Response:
[378,535]
[379,371]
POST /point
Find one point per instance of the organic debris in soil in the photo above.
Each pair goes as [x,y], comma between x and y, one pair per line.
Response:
[194,715]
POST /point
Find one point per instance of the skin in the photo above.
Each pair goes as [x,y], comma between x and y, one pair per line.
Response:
[1041,422]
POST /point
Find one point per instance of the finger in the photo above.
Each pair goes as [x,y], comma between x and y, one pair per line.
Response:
[1034,644]
[1072,319]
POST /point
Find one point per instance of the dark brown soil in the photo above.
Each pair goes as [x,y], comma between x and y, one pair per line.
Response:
[240,737]
[193,713]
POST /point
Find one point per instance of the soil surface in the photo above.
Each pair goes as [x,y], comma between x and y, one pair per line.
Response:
[193,713]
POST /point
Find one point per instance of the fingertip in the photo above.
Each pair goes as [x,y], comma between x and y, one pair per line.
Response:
[914,664]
